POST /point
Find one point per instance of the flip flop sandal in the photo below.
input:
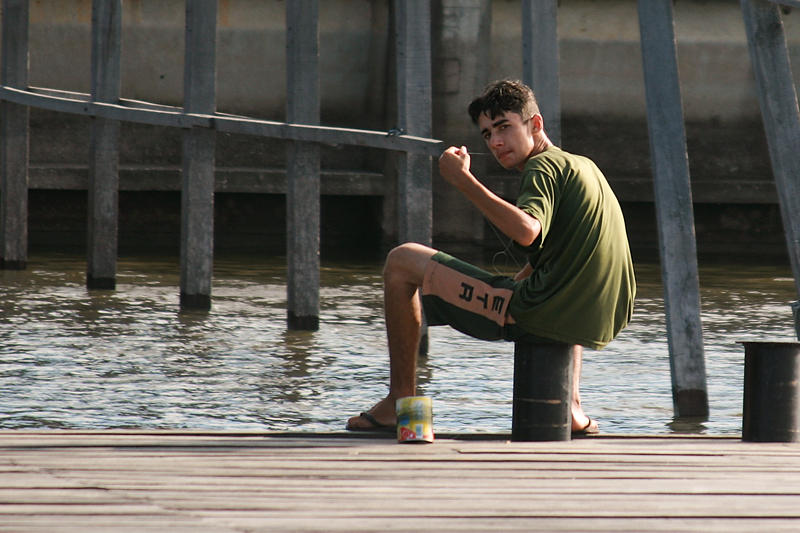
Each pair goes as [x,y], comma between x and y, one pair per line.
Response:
[375,425]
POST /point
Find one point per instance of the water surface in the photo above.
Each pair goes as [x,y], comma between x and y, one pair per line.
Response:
[129,358]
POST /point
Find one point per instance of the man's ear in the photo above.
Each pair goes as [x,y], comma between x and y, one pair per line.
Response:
[537,123]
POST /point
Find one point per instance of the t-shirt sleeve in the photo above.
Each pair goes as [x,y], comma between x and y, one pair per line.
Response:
[537,195]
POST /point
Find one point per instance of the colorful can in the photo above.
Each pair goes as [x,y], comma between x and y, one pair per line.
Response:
[414,419]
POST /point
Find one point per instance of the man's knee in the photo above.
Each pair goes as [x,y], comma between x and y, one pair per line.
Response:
[407,262]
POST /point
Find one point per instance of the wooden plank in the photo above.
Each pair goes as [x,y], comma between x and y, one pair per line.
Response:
[197,191]
[448,504]
[160,115]
[117,524]
[124,480]
[540,59]
[245,180]
[103,205]
[78,105]
[673,199]
[414,97]
[14,138]
[272,180]
[777,98]
[415,144]
[302,167]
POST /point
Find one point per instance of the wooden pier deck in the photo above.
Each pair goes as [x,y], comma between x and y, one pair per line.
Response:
[68,481]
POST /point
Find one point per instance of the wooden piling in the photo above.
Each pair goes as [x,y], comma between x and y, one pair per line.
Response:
[542,403]
[540,60]
[777,98]
[197,192]
[302,166]
[673,200]
[460,31]
[103,205]
[414,97]
[200,122]
[414,113]
[14,138]
[771,406]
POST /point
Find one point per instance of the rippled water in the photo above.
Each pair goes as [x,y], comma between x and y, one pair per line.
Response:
[71,358]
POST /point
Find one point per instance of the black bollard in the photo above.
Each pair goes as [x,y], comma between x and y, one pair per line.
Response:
[542,392]
[771,401]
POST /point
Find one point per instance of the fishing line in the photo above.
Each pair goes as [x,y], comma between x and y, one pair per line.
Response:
[506,251]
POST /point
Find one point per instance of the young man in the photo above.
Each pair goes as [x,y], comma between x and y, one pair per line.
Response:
[577,287]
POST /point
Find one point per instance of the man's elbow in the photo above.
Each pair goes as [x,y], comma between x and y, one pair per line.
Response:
[530,232]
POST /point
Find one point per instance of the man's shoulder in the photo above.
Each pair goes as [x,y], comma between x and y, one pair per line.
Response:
[551,157]
[557,158]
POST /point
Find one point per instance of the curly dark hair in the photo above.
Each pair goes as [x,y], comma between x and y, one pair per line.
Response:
[502,96]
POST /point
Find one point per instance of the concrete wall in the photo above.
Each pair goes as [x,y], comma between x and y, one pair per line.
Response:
[251,72]
[601,70]
[602,93]
[599,39]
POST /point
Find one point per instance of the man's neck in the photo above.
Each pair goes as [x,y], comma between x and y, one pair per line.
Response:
[540,143]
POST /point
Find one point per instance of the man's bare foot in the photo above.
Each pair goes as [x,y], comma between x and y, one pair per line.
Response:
[580,422]
[382,415]
[584,424]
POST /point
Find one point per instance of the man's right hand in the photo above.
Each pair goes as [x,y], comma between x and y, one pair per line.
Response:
[454,164]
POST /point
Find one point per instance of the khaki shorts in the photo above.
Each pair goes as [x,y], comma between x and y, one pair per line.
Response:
[469,299]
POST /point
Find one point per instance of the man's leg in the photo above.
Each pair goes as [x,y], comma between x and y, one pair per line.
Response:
[580,422]
[402,276]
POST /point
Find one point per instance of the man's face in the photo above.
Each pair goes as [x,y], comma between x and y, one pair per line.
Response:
[509,138]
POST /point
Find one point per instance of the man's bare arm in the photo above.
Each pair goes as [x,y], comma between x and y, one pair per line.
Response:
[508,218]
[526,271]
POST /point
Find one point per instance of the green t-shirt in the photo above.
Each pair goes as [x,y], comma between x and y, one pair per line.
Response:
[582,287]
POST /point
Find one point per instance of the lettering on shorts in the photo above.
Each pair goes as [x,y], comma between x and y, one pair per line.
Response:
[467,293]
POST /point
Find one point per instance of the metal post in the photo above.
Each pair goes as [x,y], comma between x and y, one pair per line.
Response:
[302,166]
[14,138]
[197,192]
[673,199]
[103,203]
[540,60]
